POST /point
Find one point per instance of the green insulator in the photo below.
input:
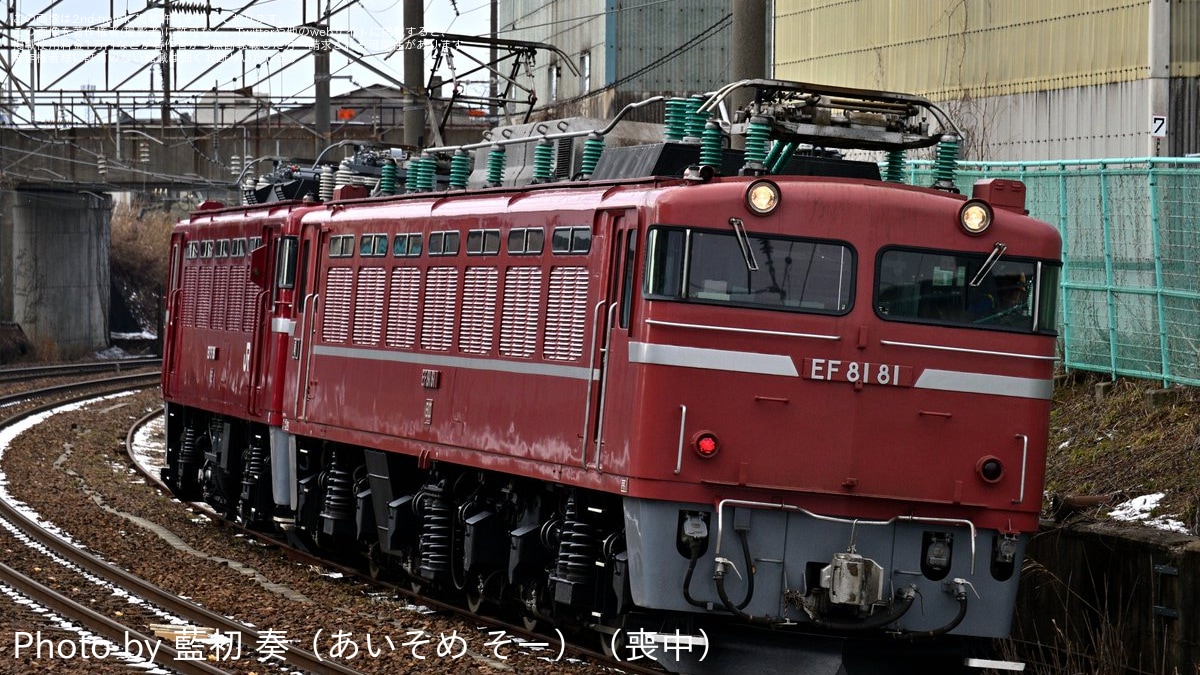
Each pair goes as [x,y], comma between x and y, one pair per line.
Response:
[893,171]
[711,140]
[772,155]
[495,166]
[676,119]
[696,119]
[428,174]
[387,178]
[543,161]
[946,163]
[412,178]
[758,133]
[593,147]
[460,169]
[785,156]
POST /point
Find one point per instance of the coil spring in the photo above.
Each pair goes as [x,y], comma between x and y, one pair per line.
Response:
[676,118]
[248,196]
[758,132]
[437,518]
[256,461]
[495,166]
[593,147]
[946,163]
[460,169]
[543,161]
[188,455]
[710,146]
[579,546]
[387,178]
[255,468]
[189,8]
[339,492]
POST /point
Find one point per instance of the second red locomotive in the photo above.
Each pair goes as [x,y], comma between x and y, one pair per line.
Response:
[695,386]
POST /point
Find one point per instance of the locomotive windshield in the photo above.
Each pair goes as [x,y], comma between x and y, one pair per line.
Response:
[710,267]
[935,287]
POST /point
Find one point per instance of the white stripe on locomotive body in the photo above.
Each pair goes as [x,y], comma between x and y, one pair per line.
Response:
[983,383]
[466,363]
[712,359]
[705,359]
[779,364]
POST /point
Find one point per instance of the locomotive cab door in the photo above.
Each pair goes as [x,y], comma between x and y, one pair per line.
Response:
[313,237]
[607,449]
[170,339]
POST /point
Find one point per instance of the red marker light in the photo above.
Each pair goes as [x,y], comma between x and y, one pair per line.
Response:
[706,444]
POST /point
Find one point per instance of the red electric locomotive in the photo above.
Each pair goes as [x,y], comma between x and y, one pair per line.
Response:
[694,391]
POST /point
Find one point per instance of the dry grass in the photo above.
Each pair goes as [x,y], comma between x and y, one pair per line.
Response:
[1122,445]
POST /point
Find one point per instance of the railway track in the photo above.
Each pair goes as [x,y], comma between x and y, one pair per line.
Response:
[76,568]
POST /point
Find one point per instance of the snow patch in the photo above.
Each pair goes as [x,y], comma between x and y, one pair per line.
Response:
[1139,509]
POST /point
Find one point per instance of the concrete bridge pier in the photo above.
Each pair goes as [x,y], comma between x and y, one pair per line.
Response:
[54,269]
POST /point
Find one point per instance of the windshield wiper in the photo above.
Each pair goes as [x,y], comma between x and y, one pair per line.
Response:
[997,251]
[739,231]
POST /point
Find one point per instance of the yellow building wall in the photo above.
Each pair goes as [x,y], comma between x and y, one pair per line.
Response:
[951,49]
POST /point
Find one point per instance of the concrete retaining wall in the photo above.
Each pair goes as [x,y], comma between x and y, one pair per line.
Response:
[1130,597]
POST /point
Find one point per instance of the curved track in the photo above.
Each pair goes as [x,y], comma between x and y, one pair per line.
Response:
[168,603]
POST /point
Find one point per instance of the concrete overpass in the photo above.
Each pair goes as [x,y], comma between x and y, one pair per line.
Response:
[55,205]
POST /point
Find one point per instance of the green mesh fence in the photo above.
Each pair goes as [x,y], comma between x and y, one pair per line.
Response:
[1130,299]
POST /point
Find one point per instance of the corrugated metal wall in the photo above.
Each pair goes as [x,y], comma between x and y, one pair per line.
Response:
[574,26]
[636,47]
[1084,122]
[1027,79]
[1185,38]
[689,42]
[950,48]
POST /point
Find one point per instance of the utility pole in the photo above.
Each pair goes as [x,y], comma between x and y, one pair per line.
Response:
[749,34]
[493,80]
[321,49]
[164,61]
[414,75]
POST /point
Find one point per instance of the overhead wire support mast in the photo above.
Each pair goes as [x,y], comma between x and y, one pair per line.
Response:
[520,52]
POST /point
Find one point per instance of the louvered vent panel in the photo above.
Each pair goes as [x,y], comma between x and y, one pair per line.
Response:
[336,325]
[220,298]
[441,297]
[237,298]
[368,305]
[204,310]
[402,310]
[522,308]
[249,301]
[191,283]
[566,312]
[478,329]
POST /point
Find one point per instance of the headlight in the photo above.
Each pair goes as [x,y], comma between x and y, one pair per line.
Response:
[762,197]
[975,217]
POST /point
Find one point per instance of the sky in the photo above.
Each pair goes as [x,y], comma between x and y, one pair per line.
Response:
[369,27]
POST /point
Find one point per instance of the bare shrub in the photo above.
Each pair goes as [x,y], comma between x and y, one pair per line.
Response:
[141,237]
